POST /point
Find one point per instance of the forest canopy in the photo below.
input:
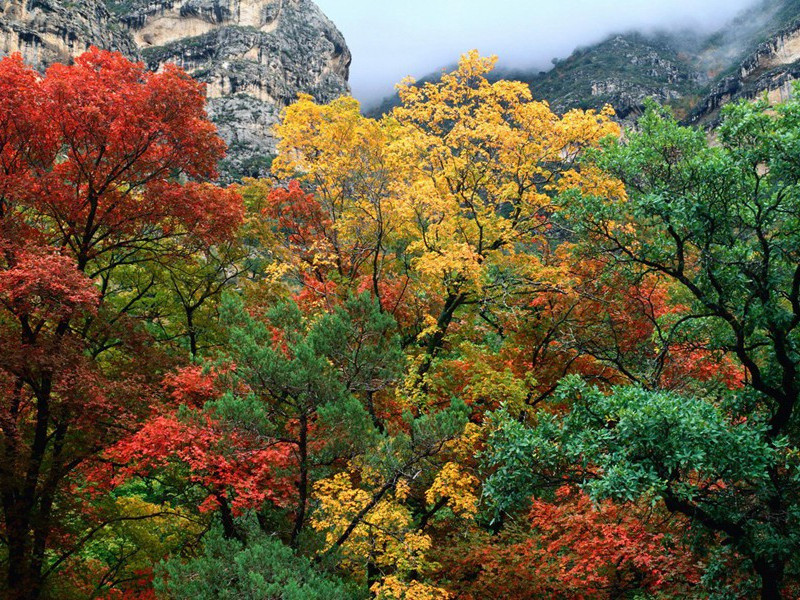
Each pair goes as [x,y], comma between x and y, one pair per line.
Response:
[473,349]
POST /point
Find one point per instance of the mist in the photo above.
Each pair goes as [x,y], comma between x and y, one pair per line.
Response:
[392,39]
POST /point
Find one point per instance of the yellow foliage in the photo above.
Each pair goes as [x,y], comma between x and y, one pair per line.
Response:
[465,446]
[344,159]
[464,171]
[157,536]
[144,533]
[458,487]
[392,588]
[385,536]
[487,160]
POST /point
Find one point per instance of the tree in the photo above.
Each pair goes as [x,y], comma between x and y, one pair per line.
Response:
[365,513]
[101,164]
[310,382]
[289,397]
[194,281]
[236,471]
[573,547]
[487,161]
[262,569]
[720,224]
[445,203]
[350,220]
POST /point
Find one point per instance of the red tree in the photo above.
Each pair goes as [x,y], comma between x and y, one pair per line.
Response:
[236,470]
[101,163]
[579,550]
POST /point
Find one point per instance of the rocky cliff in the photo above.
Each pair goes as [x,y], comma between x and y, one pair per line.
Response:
[255,56]
[48,31]
[770,69]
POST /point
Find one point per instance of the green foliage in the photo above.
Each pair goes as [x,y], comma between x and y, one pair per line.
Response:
[719,224]
[330,363]
[635,445]
[723,223]
[262,569]
[627,444]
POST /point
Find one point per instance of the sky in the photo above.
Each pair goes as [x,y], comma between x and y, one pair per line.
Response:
[390,39]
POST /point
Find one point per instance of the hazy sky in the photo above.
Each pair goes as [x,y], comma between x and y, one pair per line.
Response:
[390,39]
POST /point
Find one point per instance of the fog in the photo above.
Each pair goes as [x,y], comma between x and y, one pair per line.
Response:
[391,39]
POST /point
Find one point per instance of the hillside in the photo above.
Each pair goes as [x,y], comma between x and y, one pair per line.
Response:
[621,71]
[756,53]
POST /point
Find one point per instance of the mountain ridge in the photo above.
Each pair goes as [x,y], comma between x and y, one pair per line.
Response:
[757,52]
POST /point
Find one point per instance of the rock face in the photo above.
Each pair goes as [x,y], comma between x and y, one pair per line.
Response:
[771,69]
[255,56]
[48,31]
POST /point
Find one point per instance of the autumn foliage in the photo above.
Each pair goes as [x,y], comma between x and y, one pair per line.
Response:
[102,164]
[579,550]
[472,349]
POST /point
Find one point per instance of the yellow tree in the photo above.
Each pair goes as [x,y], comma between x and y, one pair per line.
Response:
[487,163]
[343,158]
[384,542]
[368,515]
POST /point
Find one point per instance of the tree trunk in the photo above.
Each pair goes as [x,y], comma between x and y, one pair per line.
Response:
[228,524]
[26,507]
[771,573]
[24,575]
[18,576]
[191,332]
[302,483]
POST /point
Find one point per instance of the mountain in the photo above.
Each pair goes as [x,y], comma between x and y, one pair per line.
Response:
[48,31]
[758,52]
[754,54]
[622,71]
[255,56]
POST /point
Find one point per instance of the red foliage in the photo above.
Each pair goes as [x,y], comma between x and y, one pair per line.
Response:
[100,162]
[577,549]
[124,132]
[244,469]
[610,332]
[301,219]
[46,285]
[191,386]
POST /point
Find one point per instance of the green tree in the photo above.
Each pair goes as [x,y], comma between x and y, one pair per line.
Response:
[262,569]
[310,381]
[721,223]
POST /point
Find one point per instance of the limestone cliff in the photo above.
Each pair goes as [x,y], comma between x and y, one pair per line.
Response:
[694,72]
[769,70]
[48,31]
